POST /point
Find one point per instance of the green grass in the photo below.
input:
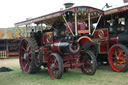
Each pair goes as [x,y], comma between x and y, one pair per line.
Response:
[103,76]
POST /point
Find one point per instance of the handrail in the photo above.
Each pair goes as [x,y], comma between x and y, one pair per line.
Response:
[97,24]
[68,25]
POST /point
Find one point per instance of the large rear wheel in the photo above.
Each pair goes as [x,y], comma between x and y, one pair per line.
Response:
[27,55]
[89,63]
[118,58]
[55,66]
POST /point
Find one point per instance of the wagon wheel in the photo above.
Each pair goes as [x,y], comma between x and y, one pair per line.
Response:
[118,58]
[27,56]
[89,63]
[55,66]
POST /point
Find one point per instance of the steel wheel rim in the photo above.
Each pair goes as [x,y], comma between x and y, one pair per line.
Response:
[53,67]
[117,58]
[25,56]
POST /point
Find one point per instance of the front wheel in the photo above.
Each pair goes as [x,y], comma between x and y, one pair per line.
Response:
[55,66]
[89,63]
[118,58]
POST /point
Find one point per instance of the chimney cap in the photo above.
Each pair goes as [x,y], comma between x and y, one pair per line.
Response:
[68,5]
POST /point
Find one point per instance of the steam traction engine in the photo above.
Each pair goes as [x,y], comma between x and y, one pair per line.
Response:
[111,37]
[63,43]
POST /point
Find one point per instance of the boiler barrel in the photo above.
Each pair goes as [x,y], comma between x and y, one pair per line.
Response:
[64,47]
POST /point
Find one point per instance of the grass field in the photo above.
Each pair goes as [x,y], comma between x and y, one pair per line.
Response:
[103,76]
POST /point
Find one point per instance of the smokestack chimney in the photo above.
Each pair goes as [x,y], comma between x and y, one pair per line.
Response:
[68,5]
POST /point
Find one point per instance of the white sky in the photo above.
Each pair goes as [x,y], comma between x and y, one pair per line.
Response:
[12,11]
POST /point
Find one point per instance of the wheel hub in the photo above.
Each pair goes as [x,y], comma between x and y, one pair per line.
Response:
[25,56]
[120,59]
[52,67]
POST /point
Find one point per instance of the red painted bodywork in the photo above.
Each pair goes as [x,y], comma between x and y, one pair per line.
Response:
[105,41]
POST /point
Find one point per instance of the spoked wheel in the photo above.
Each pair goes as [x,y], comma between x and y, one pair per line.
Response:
[89,63]
[26,57]
[55,66]
[118,58]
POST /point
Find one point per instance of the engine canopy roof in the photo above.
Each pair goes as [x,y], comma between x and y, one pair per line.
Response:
[52,17]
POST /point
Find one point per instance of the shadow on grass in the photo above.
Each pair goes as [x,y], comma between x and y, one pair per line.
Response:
[70,76]
[106,68]
[75,74]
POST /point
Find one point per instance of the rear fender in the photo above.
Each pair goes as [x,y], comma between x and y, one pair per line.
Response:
[84,40]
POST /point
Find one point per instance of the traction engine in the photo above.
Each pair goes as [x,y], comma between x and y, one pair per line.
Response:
[112,38]
[64,42]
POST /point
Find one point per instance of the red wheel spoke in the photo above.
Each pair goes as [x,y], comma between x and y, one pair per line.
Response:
[116,63]
[26,65]
[120,52]
[23,48]
[116,54]
[120,65]
[114,58]
[124,59]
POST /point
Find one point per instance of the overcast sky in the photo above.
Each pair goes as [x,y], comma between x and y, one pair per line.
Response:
[12,11]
